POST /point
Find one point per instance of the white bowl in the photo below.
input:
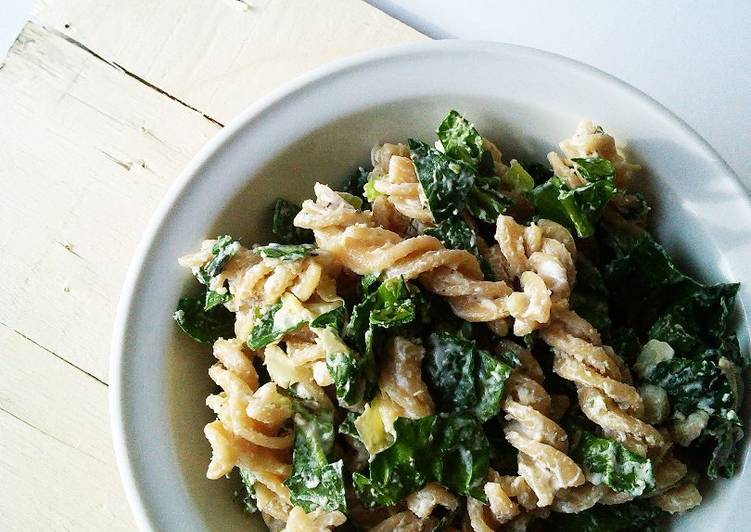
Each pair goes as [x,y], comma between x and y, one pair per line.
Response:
[322,126]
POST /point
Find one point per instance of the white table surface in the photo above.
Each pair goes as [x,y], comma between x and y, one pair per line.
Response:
[692,56]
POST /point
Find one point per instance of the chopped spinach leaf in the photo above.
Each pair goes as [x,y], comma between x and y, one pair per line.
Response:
[608,462]
[635,516]
[487,204]
[223,250]
[455,233]
[578,208]
[333,319]
[693,384]
[317,482]
[263,331]
[204,325]
[283,225]
[700,384]
[641,281]
[589,297]
[214,299]
[699,320]
[460,140]
[450,449]
[445,182]
[277,320]
[463,378]
[720,439]
[392,304]
[350,374]
[286,252]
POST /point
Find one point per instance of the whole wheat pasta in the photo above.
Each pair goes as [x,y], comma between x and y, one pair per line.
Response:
[542,443]
[354,383]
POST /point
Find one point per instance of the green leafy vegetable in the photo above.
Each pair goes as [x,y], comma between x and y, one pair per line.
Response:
[651,296]
[641,280]
[204,325]
[608,462]
[578,208]
[392,304]
[214,299]
[355,185]
[286,252]
[250,504]
[517,179]
[455,233]
[263,332]
[450,449]
[699,320]
[487,203]
[277,320]
[590,295]
[693,384]
[635,516]
[701,384]
[462,142]
[351,374]
[463,378]
[316,482]
[334,319]
[446,182]
[222,251]
[283,225]
[720,440]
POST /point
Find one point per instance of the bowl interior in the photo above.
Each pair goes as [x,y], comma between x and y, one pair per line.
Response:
[320,130]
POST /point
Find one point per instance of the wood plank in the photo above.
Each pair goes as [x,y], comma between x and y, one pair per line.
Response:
[87,153]
[57,468]
[219,56]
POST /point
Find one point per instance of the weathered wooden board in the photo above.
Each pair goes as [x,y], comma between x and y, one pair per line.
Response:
[87,153]
[219,55]
[57,469]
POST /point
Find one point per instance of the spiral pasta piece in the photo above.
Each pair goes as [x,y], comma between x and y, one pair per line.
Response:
[541,442]
[424,501]
[402,189]
[401,378]
[404,521]
[605,389]
[511,504]
[347,235]
[590,140]
[250,428]
[317,520]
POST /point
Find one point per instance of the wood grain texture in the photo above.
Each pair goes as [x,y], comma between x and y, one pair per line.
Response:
[102,104]
[220,55]
[57,469]
[87,153]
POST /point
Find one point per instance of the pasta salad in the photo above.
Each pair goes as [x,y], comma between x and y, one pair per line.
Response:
[454,341]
